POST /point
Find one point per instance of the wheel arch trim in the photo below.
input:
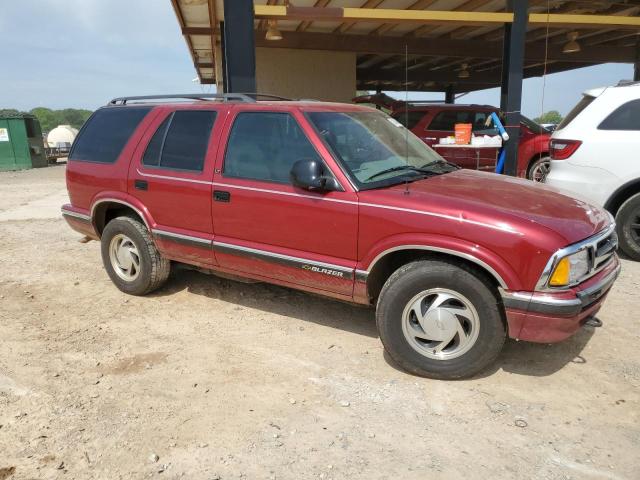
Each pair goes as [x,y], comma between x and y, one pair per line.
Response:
[363,274]
[614,197]
[125,203]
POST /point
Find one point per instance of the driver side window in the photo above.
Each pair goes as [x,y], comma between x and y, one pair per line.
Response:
[265,145]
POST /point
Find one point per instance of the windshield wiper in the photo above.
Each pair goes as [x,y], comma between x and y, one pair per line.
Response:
[398,168]
[440,163]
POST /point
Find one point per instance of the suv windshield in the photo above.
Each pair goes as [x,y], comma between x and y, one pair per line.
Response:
[376,149]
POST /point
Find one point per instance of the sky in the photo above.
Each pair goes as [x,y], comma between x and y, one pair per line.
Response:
[81,53]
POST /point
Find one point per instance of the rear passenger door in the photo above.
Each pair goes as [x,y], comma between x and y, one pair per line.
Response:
[266,227]
[171,175]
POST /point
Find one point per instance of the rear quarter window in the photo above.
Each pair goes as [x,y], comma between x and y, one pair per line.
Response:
[409,118]
[105,134]
[626,117]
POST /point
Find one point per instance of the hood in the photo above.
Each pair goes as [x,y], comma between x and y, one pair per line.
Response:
[507,202]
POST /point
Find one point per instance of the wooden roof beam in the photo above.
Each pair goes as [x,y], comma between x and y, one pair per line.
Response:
[469,5]
[365,44]
[419,5]
[397,16]
[307,23]
[346,26]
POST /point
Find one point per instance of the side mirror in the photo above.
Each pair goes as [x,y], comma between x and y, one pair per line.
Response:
[309,174]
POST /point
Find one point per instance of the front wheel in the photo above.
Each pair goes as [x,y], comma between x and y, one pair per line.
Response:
[539,169]
[440,320]
[628,226]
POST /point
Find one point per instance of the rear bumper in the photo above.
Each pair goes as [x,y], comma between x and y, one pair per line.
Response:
[79,220]
[553,317]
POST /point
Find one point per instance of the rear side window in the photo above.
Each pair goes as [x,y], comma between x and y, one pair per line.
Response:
[446,119]
[625,117]
[577,110]
[180,142]
[106,133]
[409,118]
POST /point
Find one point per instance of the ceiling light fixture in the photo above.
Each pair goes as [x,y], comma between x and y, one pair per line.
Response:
[464,72]
[273,33]
[572,46]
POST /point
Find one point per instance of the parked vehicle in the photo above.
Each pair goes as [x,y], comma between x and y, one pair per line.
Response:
[343,201]
[594,154]
[432,121]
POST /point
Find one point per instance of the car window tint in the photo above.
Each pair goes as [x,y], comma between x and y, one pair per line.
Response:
[584,102]
[479,124]
[446,119]
[625,117]
[152,153]
[105,134]
[185,144]
[265,145]
[409,118]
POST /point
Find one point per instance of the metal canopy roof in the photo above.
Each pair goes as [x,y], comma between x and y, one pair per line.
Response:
[433,38]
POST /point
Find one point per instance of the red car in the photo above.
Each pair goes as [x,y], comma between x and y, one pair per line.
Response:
[432,121]
[342,201]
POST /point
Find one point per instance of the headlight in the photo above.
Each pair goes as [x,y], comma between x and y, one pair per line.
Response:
[570,269]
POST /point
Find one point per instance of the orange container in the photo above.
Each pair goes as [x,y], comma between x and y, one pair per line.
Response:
[463,133]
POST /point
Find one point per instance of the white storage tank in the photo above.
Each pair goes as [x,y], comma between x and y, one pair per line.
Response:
[62,136]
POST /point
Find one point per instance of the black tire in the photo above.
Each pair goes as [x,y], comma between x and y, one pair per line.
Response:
[628,227]
[408,282]
[537,171]
[153,268]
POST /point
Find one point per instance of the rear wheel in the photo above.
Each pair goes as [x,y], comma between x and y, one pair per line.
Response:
[130,257]
[628,227]
[539,169]
[440,320]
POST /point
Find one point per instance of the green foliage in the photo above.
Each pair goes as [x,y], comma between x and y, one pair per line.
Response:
[50,119]
[549,117]
[11,112]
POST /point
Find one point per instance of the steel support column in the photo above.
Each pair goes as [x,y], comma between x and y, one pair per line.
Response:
[636,67]
[512,73]
[450,94]
[239,51]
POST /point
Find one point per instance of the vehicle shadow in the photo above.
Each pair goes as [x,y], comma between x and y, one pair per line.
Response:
[541,359]
[275,300]
[533,359]
[522,358]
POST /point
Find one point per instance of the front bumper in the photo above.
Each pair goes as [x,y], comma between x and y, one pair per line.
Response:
[552,317]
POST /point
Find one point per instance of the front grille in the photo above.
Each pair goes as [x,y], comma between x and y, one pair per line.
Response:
[604,251]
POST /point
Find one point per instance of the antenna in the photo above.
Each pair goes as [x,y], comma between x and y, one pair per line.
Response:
[406,113]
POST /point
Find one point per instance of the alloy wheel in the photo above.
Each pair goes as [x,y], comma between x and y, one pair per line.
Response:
[124,257]
[440,324]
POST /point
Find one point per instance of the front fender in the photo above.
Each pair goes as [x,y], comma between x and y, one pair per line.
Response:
[487,259]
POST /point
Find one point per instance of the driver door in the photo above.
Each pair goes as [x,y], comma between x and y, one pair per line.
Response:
[266,227]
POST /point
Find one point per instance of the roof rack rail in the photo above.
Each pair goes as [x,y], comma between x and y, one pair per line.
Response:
[627,83]
[227,97]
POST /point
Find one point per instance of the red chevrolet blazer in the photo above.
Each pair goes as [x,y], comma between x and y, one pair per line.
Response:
[343,201]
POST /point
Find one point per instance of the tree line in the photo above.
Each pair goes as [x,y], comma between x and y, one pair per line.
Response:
[50,119]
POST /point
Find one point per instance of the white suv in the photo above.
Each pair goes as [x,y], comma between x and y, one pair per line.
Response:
[595,154]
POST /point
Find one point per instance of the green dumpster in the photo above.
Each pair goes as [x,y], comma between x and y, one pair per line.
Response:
[21,144]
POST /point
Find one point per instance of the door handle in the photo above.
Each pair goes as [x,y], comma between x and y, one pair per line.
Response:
[221,196]
[429,138]
[141,184]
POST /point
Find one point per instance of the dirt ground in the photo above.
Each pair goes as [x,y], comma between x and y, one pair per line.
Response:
[213,379]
